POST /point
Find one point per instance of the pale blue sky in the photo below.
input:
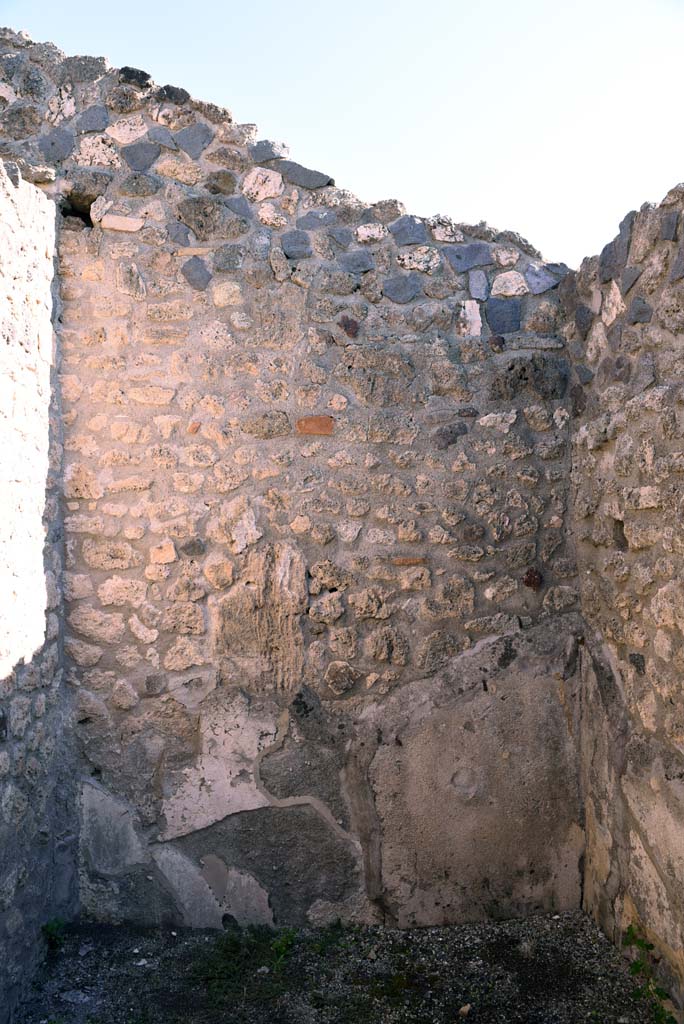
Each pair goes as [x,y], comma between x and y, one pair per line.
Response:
[550,119]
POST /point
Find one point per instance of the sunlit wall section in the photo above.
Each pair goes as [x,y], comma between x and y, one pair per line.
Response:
[26,247]
[36,802]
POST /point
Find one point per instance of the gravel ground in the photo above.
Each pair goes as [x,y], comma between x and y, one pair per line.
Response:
[543,970]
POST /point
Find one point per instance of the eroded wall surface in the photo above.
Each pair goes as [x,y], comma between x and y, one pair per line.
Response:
[321,601]
[627,309]
[37,829]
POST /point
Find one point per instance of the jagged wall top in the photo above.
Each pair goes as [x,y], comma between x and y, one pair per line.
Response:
[51,104]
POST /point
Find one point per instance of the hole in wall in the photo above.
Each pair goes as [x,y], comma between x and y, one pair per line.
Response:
[619,538]
[76,211]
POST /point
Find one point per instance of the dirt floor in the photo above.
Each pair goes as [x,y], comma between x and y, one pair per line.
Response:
[543,970]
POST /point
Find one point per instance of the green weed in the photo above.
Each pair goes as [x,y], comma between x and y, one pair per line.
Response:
[643,969]
[53,933]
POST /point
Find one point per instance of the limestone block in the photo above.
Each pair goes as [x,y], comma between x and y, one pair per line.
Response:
[115,222]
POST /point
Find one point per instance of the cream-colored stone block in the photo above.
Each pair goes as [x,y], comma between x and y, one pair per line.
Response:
[116,222]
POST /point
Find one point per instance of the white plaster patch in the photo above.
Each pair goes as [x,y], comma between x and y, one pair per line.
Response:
[233,732]
[194,897]
[239,893]
[109,841]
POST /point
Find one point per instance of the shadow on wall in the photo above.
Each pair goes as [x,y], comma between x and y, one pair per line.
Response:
[37,851]
[625,322]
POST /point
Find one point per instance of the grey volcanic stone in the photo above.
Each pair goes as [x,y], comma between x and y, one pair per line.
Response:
[630,275]
[82,69]
[239,206]
[296,245]
[137,184]
[141,155]
[178,233]
[357,262]
[32,83]
[584,318]
[465,257]
[668,226]
[21,120]
[677,271]
[161,134]
[409,230]
[172,94]
[639,311]
[584,374]
[403,288]
[614,255]
[265,150]
[13,172]
[546,375]
[295,174]
[260,244]
[503,315]
[317,219]
[94,119]
[559,270]
[478,284]
[196,273]
[58,145]
[539,279]
[87,186]
[134,76]
[229,257]
[447,435]
[343,236]
[194,139]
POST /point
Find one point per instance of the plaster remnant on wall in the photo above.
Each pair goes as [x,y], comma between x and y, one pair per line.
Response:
[233,731]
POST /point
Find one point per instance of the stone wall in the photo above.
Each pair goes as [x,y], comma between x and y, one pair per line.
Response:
[325,468]
[627,309]
[36,843]
[315,509]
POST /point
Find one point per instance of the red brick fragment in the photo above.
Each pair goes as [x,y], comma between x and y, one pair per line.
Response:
[322,425]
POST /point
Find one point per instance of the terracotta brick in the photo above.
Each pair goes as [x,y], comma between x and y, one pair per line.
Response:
[322,425]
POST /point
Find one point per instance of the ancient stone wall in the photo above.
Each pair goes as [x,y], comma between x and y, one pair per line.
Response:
[627,310]
[37,828]
[315,508]
[325,635]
